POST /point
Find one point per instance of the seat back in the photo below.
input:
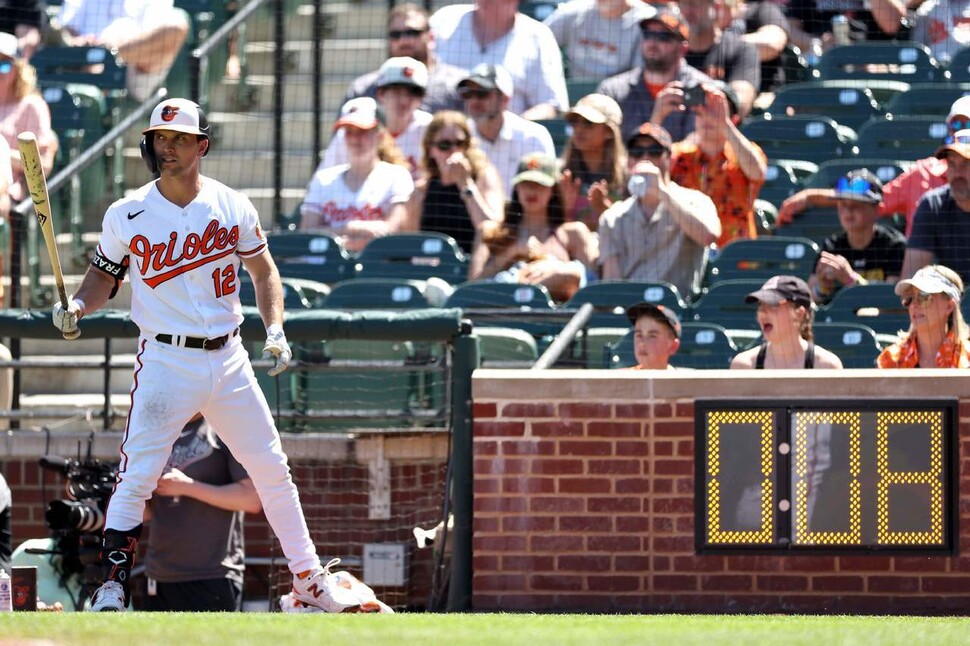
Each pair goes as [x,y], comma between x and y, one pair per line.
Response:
[811,138]
[762,258]
[64,65]
[830,172]
[416,256]
[848,106]
[854,344]
[702,346]
[560,131]
[489,294]
[902,61]
[723,304]
[902,137]
[611,298]
[377,293]
[814,224]
[928,99]
[780,183]
[959,66]
[312,256]
[874,305]
[293,297]
[503,347]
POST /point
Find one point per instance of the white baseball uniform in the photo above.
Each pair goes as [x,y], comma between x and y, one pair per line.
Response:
[184,268]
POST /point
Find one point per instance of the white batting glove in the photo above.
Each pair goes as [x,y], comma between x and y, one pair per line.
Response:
[277,348]
[66,320]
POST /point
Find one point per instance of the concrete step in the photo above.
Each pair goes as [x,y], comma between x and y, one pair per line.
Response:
[262,199]
[297,93]
[344,56]
[73,412]
[343,19]
[252,168]
[254,130]
[58,380]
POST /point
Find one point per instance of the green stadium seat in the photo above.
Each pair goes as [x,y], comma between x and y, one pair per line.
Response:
[560,131]
[63,65]
[959,66]
[578,88]
[611,298]
[416,256]
[538,9]
[293,297]
[503,347]
[848,106]
[377,293]
[854,344]
[313,256]
[702,346]
[902,137]
[929,99]
[780,183]
[874,60]
[723,304]
[873,305]
[831,171]
[766,214]
[815,224]
[809,138]
[489,294]
[762,258]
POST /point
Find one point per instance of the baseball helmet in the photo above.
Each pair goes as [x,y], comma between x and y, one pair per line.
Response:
[180,115]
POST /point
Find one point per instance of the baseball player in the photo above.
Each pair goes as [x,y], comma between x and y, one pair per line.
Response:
[181,238]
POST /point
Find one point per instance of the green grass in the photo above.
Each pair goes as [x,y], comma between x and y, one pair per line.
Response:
[144,629]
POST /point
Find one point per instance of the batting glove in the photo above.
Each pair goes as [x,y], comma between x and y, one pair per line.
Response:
[277,348]
[66,320]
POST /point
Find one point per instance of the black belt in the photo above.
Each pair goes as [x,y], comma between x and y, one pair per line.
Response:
[198,343]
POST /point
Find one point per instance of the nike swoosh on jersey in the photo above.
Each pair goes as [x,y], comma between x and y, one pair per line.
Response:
[132,216]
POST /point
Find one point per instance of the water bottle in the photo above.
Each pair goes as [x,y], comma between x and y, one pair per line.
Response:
[840,30]
[6,592]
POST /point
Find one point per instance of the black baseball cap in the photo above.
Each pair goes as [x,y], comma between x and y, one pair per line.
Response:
[782,288]
[859,186]
[656,312]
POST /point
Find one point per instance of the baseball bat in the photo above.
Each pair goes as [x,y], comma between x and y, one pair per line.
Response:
[37,185]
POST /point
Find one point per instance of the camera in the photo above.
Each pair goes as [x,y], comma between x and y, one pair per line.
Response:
[694,95]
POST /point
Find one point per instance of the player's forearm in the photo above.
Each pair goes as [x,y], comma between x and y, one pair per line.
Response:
[238,496]
[94,291]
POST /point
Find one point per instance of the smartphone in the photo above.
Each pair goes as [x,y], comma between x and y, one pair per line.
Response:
[694,95]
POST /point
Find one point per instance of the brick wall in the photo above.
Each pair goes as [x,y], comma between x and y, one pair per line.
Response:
[584,500]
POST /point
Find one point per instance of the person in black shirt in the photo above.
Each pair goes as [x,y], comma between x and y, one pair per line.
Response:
[25,19]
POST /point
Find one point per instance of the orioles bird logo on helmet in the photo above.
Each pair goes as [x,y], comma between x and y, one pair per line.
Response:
[169,112]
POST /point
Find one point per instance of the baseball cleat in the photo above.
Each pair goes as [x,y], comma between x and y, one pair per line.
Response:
[110,597]
[320,590]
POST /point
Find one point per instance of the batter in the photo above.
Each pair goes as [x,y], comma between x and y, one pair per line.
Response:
[181,238]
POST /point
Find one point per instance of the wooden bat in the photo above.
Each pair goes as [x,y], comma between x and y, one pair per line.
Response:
[37,185]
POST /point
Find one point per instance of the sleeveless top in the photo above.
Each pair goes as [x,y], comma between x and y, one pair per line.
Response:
[445,212]
[759,363]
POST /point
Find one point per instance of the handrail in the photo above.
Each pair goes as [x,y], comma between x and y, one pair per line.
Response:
[557,347]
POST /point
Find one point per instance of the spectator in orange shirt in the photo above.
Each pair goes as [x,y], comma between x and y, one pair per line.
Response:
[718,160]
[656,335]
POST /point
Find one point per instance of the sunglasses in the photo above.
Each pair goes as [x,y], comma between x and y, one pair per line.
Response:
[472,93]
[398,34]
[921,299]
[445,145]
[858,186]
[647,151]
[662,36]
[959,123]
[5,67]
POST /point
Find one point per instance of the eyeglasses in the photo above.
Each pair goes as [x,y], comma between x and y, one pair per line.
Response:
[398,34]
[444,145]
[662,36]
[647,151]
[466,93]
[858,186]
[953,139]
[5,67]
[921,299]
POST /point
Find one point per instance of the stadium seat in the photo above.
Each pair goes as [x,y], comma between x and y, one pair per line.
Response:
[831,171]
[560,131]
[313,256]
[611,298]
[416,256]
[377,293]
[848,106]
[902,137]
[765,214]
[959,66]
[873,305]
[63,65]
[702,346]
[538,9]
[814,224]
[578,88]
[930,99]
[854,344]
[503,347]
[762,258]
[780,183]
[723,304]
[898,61]
[293,297]
[809,138]
[487,294]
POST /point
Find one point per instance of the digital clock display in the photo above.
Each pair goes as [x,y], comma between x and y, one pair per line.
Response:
[826,476]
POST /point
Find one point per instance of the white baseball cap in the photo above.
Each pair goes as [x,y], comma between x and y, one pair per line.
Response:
[929,281]
[362,112]
[8,44]
[403,70]
[960,107]
[180,115]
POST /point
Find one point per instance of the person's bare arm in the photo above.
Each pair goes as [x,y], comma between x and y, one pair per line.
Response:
[235,496]
[269,288]
[808,198]
[541,111]
[914,260]
[693,211]
[94,291]
[745,360]
[770,41]
[888,15]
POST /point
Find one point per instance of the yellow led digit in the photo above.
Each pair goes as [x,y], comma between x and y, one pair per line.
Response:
[933,478]
[811,434]
[715,531]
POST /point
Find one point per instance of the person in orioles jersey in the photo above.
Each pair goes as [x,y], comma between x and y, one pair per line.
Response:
[181,238]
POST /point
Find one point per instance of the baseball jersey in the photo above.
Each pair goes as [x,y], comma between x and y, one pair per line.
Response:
[183,263]
[331,204]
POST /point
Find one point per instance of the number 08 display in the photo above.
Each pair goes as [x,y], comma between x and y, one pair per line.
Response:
[830,476]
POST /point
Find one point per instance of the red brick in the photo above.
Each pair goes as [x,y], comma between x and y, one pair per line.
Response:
[545,504]
[698,564]
[555,544]
[663,448]
[557,583]
[772,583]
[838,583]
[674,467]
[633,486]
[556,429]
[585,447]
[613,504]
[484,448]
[663,485]
[585,410]
[527,523]
[481,486]
[892,583]
[633,448]
[944,584]
[482,410]
[662,564]
[498,429]
[684,485]
[586,524]
[585,485]
[584,563]
[501,466]
[557,467]
[632,524]
[531,563]
[500,582]
[481,563]
[685,409]
[527,447]
[483,523]
[505,504]
[631,563]
[616,466]
[672,429]
[614,543]
[663,525]
[674,582]
[726,583]
[810,564]
[614,429]
[528,410]
[499,544]
[523,485]
[662,410]
[685,448]
[614,583]
[635,411]
[673,505]
[865,563]
[673,544]
[920,564]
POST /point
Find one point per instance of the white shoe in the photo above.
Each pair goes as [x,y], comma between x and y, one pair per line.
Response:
[110,597]
[321,591]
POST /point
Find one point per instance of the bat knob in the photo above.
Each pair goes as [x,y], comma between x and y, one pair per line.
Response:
[70,336]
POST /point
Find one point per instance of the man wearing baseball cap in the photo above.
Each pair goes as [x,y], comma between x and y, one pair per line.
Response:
[656,335]
[504,136]
[863,251]
[941,224]
[654,90]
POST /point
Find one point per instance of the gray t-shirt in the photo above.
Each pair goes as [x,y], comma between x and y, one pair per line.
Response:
[190,540]
[943,26]
[652,247]
[597,47]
